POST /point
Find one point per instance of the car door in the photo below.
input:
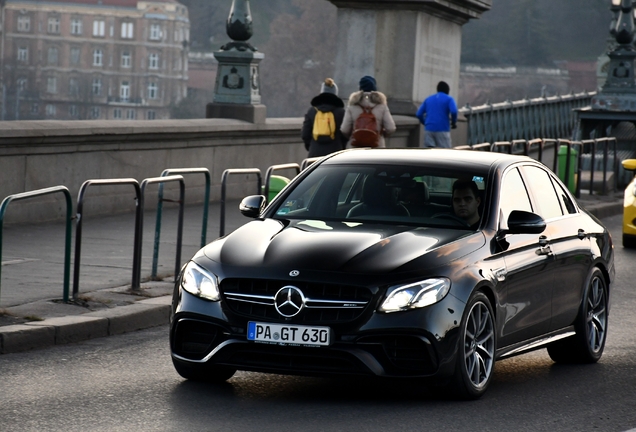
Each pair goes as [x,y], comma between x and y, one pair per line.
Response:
[567,240]
[527,279]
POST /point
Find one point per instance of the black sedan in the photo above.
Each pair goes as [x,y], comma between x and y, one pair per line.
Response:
[409,263]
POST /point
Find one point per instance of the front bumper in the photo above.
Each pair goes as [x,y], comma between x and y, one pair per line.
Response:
[417,343]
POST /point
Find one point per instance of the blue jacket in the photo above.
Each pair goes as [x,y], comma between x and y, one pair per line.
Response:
[435,111]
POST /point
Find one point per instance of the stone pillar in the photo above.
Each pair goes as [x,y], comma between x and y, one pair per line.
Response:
[407,45]
[237,92]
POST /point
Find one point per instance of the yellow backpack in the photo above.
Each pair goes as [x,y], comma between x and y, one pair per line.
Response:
[324,126]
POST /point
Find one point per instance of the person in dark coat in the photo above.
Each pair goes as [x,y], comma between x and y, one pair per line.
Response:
[326,101]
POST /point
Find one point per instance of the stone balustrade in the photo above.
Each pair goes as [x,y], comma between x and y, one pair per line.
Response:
[40,154]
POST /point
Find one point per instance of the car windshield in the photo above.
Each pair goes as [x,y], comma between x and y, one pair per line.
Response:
[401,194]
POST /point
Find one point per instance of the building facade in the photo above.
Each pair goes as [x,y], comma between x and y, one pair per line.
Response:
[93,59]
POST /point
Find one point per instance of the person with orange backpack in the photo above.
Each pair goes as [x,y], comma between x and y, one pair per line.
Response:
[367,120]
[321,127]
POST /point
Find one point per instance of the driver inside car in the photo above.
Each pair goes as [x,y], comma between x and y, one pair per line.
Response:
[466,202]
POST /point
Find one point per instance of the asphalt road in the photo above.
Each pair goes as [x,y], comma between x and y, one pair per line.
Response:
[128,383]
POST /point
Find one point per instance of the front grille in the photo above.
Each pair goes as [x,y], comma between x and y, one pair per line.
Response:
[325,303]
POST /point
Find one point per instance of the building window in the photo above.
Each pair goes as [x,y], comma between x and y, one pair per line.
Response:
[54,25]
[124,91]
[75,56]
[98,57]
[73,87]
[52,56]
[23,54]
[51,85]
[130,114]
[24,23]
[177,64]
[73,111]
[126,59]
[50,110]
[99,28]
[35,108]
[76,26]
[153,90]
[97,86]
[117,113]
[127,30]
[95,112]
[151,115]
[153,61]
[22,84]
[155,32]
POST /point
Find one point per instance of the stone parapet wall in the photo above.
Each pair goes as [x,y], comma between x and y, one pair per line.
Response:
[40,154]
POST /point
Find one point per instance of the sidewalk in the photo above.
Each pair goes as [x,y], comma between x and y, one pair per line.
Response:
[32,313]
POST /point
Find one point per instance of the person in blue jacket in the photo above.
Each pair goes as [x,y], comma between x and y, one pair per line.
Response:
[438,114]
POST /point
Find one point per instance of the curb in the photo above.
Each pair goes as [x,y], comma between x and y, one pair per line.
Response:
[62,330]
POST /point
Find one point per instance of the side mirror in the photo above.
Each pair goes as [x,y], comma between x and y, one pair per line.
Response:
[253,205]
[523,222]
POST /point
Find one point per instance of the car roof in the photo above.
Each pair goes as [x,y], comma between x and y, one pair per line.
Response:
[441,158]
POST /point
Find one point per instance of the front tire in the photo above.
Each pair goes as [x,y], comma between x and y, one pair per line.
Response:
[203,373]
[587,345]
[476,353]
[629,241]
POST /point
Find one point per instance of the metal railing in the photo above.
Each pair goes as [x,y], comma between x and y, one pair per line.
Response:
[67,244]
[136,281]
[160,201]
[548,117]
[79,220]
[224,178]
[578,148]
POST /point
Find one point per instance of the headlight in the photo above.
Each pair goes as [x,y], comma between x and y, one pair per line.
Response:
[200,283]
[416,295]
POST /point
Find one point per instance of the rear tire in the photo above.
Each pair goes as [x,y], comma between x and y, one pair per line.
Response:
[476,349]
[203,373]
[587,345]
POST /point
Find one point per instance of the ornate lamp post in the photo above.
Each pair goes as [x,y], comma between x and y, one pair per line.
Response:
[619,91]
[237,88]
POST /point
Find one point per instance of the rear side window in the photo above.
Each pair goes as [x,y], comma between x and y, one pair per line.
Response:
[540,184]
[513,195]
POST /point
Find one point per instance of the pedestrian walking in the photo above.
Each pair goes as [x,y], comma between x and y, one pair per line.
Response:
[321,127]
[367,120]
[438,114]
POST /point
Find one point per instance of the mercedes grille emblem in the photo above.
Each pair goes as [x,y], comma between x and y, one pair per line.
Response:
[289,301]
[294,273]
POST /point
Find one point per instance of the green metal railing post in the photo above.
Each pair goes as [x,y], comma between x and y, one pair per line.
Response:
[69,210]
[136,281]
[206,200]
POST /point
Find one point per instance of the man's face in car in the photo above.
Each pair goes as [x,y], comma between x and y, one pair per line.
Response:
[466,205]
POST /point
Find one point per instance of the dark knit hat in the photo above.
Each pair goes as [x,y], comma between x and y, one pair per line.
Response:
[329,86]
[442,87]
[367,84]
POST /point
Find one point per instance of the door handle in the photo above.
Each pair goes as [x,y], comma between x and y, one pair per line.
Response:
[545,248]
[581,234]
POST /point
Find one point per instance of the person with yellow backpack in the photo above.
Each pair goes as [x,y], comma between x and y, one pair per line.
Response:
[321,127]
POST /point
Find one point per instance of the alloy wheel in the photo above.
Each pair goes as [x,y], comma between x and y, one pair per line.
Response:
[479,345]
[596,320]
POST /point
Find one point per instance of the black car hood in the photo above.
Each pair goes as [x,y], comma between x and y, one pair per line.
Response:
[342,247]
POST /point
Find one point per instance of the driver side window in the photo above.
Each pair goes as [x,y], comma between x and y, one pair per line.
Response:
[514,195]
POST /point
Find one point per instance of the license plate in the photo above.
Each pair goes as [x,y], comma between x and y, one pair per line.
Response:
[288,334]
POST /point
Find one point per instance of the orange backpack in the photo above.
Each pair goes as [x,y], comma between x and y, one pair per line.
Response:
[365,130]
